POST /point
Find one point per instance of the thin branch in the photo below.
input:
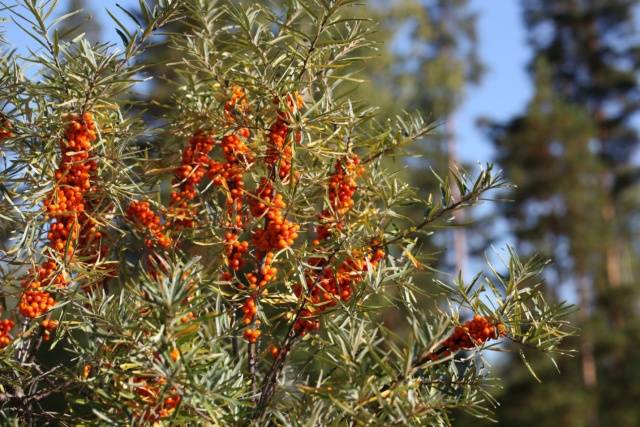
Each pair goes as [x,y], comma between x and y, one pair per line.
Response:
[467,198]
[312,46]
[269,383]
[252,370]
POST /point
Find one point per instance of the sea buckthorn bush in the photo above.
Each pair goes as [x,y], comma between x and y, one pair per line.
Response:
[230,260]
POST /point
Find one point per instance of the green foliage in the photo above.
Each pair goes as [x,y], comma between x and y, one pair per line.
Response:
[140,325]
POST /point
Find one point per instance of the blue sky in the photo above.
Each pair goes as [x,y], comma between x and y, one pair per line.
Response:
[502,93]
[505,88]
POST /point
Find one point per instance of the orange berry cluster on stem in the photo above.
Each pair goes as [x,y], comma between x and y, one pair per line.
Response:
[264,274]
[235,251]
[279,150]
[187,317]
[252,335]
[265,198]
[5,327]
[5,130]
[327,286]
[48,327]
[277,233]
[229,174]
[470,334]
[342,184]
[237,104]
[71,230]
[196,163]
[342,187]
[68,204]
[249,311]
[149,391]
[35,302]
[194,166]
[140,212]
[257,280]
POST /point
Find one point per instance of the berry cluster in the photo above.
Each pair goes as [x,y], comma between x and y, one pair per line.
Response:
[196,163]
[193,167]
[35,302]
[235,251]
[257,280]
[470,334]
[279,150]
[237,105]
[149,392]
[188,317]
[264,199]
[69,203]
[265,274]
[140,212]
[5,130]
[5,327]
[230,173]
[72,230]
[48,327]
[342,184]
[252,334]
[277,233]
[342,187]
[327,286]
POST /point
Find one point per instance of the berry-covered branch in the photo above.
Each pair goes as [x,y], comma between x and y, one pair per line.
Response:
[234,246]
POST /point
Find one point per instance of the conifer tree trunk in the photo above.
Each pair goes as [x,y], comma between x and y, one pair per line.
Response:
[459,235]
[614,269]
[589,371]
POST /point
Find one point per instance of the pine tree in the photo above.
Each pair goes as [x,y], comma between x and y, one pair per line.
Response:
[569,154]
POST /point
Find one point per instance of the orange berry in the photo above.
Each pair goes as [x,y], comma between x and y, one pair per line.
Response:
[274,351]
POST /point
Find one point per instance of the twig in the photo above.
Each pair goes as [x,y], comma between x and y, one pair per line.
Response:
[269,383]
[467,198]
[252,370]
[387,150]
[312,46]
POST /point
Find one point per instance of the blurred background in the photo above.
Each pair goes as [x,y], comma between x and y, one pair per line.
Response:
[548,91]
